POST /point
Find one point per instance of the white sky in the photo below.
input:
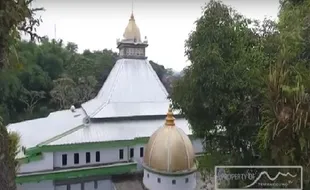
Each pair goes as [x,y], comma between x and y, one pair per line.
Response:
[96,24]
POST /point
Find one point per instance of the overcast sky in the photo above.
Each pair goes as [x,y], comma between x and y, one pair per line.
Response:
[96,24]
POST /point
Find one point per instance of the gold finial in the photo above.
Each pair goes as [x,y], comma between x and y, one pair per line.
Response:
[170,119]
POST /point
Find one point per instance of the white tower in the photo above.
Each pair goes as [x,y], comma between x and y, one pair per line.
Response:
[169,159]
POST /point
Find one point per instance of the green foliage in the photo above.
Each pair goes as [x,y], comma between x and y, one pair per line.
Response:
[221,91]
[246,92]
[284,137]
[14,148]
[15,17]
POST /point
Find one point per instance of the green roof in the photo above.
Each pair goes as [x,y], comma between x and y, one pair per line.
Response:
[63,174]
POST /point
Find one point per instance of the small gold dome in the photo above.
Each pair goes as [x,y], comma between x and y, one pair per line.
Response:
[132,31]
[169,149]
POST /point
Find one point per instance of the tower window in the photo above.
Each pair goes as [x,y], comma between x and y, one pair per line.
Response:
[141,152]
[158,180]
[121,154]
[173,181]
[148,175]
[64,159]
[131,153]
[76,158]
[97,156]
[87,157]
[186,180]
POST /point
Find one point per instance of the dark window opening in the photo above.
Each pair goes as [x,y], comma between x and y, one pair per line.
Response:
[64,159]
[121,154]
[186,180]
[131,153]
[141,151]
[87,157]
[96,184]
[76,158]
[148,175]
[97,156]
[68,187]
[158,180]
[173,182]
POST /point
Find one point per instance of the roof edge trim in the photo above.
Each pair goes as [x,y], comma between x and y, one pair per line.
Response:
[105,144]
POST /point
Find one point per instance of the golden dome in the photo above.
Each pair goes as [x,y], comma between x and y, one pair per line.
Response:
[132,32]
[169,149]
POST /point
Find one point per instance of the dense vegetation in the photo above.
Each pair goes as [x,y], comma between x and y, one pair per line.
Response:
[52,76]
[15,17]
[246,92]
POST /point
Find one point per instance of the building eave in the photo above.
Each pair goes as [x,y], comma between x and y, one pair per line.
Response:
[92,145]
[106,170]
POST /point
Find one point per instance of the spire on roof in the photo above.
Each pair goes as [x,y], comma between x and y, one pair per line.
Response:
[170,119]
[132,8]
[132,31]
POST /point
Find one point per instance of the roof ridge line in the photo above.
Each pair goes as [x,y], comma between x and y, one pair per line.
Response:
[57,137]
[113,87]
[157,78]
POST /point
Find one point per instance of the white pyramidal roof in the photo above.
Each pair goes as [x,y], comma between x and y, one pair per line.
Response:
[131,89]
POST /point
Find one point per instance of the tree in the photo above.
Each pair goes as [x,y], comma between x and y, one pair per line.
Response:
[31,98]
[284,136]
[220,92]
[14,16]
[64,93]
[86,88]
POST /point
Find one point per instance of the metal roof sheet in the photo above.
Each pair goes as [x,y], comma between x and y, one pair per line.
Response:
[118,130]
[131,89]
[36,131]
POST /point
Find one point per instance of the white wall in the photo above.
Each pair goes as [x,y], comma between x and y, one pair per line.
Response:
[137,157]
[45,164]
[102,185]
[110,155]
[44,185]
[107,155]
[197,145]
[150,181]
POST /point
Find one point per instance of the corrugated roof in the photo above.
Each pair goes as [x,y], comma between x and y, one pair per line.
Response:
[117,130]
[36,131]
[131,89]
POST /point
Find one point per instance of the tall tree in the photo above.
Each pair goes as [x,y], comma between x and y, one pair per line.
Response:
[285,134]
[15,16]
[220,91]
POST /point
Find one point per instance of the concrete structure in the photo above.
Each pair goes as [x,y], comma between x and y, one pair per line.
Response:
[94,146]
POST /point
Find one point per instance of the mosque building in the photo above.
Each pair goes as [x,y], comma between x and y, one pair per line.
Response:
[117,141]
